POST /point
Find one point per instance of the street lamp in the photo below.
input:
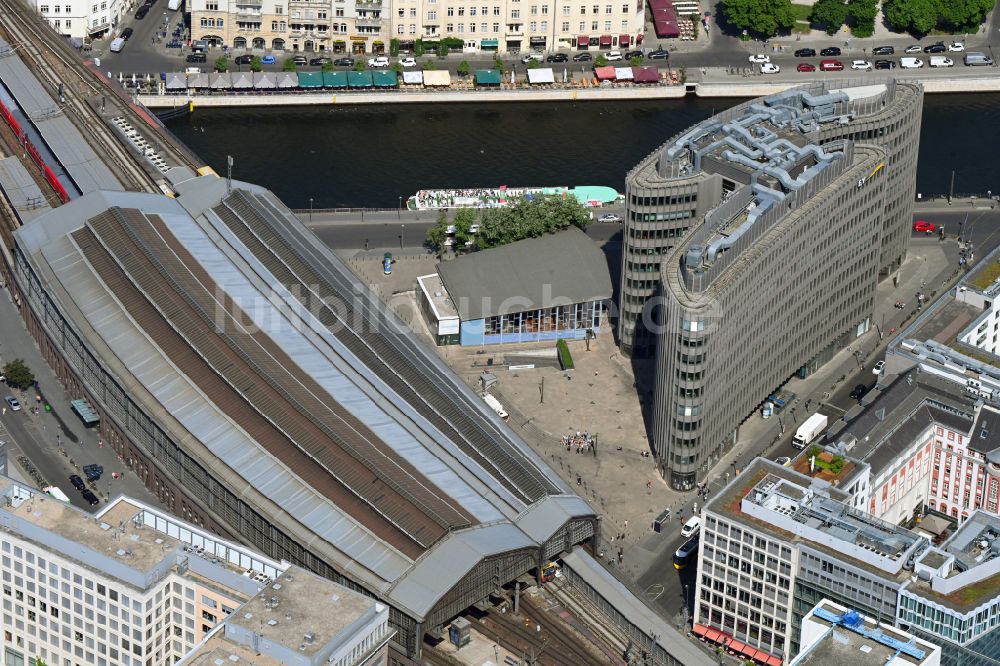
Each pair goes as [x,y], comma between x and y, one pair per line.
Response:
[402,230]
[310,211]
[399,208]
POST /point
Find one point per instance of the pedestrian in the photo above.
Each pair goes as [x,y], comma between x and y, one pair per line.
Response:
[649,484]
[626,524]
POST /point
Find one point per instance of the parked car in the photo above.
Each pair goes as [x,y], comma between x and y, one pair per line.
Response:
[769,68]
[956,47]
[90,498]
[658,54]
[862,65]
[759,58]
[126,33]
[936,48]
[884,64]
[244,59]
[634,54]
[77,482]
[859,392]
[806,67]
[141,13]
[609,217]
[911,63]
[344,62]
[13,403]
[830,51]
[922,225]
[528,57]
[300,60]
[940,61]
[378,62]
[831,65]
[883,50]
[805,53]
[613,56]
[197,57]
[557,57]
[915,48]
[783,460]
[320,61]
[93,472]
[408,62]
[267,60]
[582,57]
[879,367]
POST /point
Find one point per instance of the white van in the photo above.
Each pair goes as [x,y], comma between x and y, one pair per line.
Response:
[117,45]
[975,58]
[691,527]
[911,63]
[941,61]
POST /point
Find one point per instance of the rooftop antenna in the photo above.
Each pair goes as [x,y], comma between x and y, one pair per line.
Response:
[229,174]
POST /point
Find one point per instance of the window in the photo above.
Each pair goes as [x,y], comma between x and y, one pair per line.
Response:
[515,13]
[565,26]
[607,9]
[212,6]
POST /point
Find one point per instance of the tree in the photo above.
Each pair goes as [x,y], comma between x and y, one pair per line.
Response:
[327,67]
[498,64]
[221,64]
[430,65]
[360,65]
[18,374]
[394,47]
[760,17]
[464,219]
[600,60]
[418,48]
[917,16]
[463,68]
[829,13]
[438,234]
[636,61]
[534,64]
[442,50]
[963,15]
[256,65]
[289,65]
[396,67]
[864,13]
[528,219]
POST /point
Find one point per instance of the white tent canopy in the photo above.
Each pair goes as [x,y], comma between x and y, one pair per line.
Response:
[242,80]
[198,80]
[437,77]
[288,80]
[263,81]
[176,81]
[413,78]
[220,81]
[623,73]
[541,75]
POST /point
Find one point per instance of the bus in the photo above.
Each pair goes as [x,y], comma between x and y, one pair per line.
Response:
[686,553]
[53,491]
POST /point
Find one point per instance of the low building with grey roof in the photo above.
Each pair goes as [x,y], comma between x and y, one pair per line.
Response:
[545,288]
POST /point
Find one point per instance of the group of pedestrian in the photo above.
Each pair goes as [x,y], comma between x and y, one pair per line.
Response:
[581,441]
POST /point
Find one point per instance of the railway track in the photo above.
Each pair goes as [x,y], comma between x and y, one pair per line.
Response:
[47,57]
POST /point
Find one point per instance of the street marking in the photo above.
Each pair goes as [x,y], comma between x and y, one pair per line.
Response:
[654,591]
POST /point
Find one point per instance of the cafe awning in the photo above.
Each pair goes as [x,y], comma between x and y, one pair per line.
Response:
[536,41]
[624,40]
[334,79]
[413,78]
[437,77]
[220,81]
[541,75]
[583,40]
[176,81]
[623,73]
[263,81]
[198,81]
[85,412]
[288,80]
[360,79]
[666,28]
[773,661]
[310,79]
[646,74]
[487,77]
[385,79]
[489,43]
[605,73]
[606,40]
[242,80]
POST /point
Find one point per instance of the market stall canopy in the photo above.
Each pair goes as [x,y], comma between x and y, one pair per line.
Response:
[220,81]
[541,75]
[310,79]
[335,79]
[411,78]
[606,40]
[288,80]
[198,81]
[385,79]
[242,80]
[645,74]
[605,73]
[360,79]
[487,77]
[583,40]
[263,81]
[437,78]
[624,40]
[623,73]
[176,81]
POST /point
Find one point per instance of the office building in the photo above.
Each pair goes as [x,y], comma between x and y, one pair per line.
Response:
[546,288]
[83,19]
[670,192]
[248,378]
[130,585]
[775,543]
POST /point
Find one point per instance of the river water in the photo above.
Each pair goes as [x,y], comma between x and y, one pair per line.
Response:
[370,156]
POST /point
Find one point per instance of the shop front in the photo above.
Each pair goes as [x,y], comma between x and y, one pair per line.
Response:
[358,44]
[513,46]
[606,41]
[624,41]
[407,46]
[583,42]
[489,45]
[339,46]
[537,43]
[378,47]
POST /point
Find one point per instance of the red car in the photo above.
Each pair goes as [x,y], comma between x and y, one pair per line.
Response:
[806,67]
[831,65]
[920,225]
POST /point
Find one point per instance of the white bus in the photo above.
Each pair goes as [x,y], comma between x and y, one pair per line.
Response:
[53,491]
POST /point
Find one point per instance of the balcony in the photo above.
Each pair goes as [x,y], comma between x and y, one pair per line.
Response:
[256,4]
[369,4]
[368,22]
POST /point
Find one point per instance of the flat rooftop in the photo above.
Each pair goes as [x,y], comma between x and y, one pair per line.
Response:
[846,647]
[433,288]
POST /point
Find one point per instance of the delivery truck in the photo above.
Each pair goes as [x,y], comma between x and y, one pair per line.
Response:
[809,430]
[495,406]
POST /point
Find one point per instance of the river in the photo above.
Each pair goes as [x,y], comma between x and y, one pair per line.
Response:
[373,156]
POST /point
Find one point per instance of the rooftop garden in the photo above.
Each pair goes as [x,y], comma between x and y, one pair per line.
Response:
[984,278]
[827,461]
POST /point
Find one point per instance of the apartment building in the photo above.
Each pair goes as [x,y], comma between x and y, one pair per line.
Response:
[669,195]
[307,26]
[775,543]
[131,585]
[83,19]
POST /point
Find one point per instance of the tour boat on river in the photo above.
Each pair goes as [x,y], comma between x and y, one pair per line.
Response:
[502,196]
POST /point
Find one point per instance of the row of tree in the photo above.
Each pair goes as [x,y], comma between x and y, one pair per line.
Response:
[500,226]
[766,18]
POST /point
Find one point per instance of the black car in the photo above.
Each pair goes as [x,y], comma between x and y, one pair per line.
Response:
[299,60]
[883,50]
[658,54]
[78,483]
[197,57]
[90,498]
[936,48]
[805,53]
[126,33]
[343,62]
[830,51]
[243,59]
[557,57]
[634,54]
[582,57]
[317,62]
[93,472]
[884,64]
[141,13]
[859,392]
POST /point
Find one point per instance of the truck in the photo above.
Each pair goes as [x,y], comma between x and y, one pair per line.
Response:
[495,406]
[54,491]
[117,45]
[174,5]
[809,430]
